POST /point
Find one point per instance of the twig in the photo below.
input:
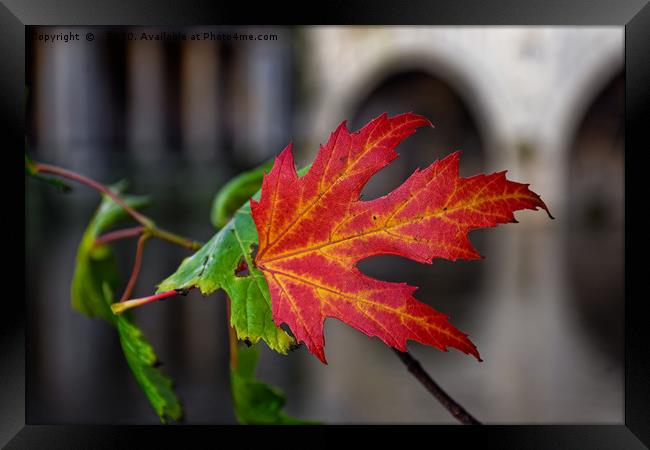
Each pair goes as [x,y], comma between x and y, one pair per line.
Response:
[423,377]
[118,234]
[174,238]
[137,263]
[46,168]
[147,224]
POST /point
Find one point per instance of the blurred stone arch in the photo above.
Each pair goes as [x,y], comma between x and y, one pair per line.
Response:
[341,99]
[591,73]
[422,84]
[595,63]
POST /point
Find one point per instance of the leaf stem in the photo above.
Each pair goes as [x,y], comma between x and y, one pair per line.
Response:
[232,337]
[414,366]
[118,234]
[120,307]
[174,238]
[137,263]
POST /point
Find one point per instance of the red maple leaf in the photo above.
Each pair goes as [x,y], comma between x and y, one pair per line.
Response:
[314,229]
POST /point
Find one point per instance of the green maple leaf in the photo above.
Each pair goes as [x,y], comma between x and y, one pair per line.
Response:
[256,402]
[217,265]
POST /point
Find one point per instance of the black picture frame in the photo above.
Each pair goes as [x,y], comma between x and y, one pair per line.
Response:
[634,15]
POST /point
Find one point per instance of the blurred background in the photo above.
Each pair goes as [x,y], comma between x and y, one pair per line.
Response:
[179,118]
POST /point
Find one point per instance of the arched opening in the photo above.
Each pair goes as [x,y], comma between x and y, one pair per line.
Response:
[596,218]
[455,128]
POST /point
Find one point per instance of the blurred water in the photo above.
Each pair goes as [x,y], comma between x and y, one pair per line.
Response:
[543,360]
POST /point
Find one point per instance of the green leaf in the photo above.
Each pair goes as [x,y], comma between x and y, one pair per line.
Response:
[96,265]
[216,266]
[95,278]
[231,196]
[142,360]
[256,402]
[31,170]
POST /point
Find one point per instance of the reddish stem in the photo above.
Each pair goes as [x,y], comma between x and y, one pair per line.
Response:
[46,168]
[120,307]
[118,234]
[36,168]
[136,267]
[232,336]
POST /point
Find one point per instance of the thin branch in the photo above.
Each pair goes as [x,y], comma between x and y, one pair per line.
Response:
[137,263]
[118,234]
[46,168]
[147,224]
[423,377]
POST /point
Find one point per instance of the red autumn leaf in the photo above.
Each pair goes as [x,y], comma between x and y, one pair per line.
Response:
[314,229]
